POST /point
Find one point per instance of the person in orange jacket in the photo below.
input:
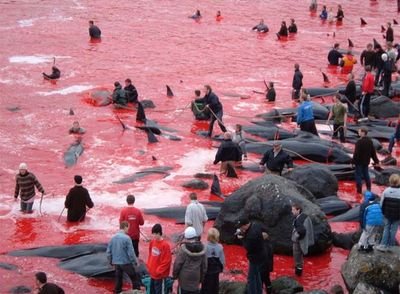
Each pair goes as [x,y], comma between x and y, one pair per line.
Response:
[348,62]
[159,261]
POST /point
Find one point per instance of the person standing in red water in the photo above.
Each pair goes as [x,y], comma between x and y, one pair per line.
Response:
[297,82]
[348,62]
[94,31]
[218,17]
[159,261]
[135,219]
[44,287]
[77,200]
[367,89]
[25,183]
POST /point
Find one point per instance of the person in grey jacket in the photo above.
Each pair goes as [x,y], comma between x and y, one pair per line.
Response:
[190,265]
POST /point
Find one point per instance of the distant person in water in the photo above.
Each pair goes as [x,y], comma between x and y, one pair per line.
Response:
[293,27]
[78,201]
[55,74]
[261,27]
[331,16]
[76,129]
[196,15]
[130,91]
[334,55]
[25,183]
[368,56]
[283,32]
[348,62]
[271,94]
[313,5]
[324,13]
[297,82]
[339,14]
[389,33]
[94,31]
[119,95]
[218,17]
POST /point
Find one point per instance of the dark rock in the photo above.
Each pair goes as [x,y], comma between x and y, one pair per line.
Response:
[332,205]
[318,179]
[383,107]
[286,285]
[346,240]
[268,199]
[147,103]
[20,290]
[227,287]
[196,184]
[377,269]
[363,288]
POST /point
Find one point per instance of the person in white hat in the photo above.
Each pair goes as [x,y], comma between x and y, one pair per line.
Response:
[190,265]
[25,183]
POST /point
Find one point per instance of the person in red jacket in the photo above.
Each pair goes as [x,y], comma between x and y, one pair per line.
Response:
[367,89]
[159,261]
[135,219]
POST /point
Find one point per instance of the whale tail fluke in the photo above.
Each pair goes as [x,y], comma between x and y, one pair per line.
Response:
[169,92]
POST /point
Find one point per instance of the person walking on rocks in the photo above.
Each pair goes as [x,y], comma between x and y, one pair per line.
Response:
[78,201]
[25,183]
[134,217]
[363,152]
[390,203]
[195,215]
[302,237]
[371,219]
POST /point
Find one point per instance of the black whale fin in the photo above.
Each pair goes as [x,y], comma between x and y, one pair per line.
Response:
[351,44]
[363,22]
[140,115]
[215,186]
[383,29]
[326,79]
[151,137]
[395,21]
[169,92]
[376,44]
[231,173]
[71,111]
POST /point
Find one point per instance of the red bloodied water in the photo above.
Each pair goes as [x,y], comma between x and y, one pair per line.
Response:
[154,43]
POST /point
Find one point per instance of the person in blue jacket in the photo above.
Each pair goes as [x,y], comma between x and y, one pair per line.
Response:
[305,115]
[324,13]
[371,218]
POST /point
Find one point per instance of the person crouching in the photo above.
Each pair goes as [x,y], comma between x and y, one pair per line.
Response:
[228,153]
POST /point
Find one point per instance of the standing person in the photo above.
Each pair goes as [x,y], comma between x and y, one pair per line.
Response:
[302,237]
[390,203]
[239,139]
[215,107]
[368,56]
[215,263]
[334,55]
[340,13]
[120,254]
[159,261]
[25,183]
[94,31]
[297,81]
[195,215]
[130,91]
[275,159]
[78,201]
[367,89]
[378,65]
[395,136]
[386,74]
[389,33]
[313,5]
[348,62]
[219,16]
[271,94]
[371,219]
[119,95]
[283,32]
[351,93]
[190,265]
[268,265]
[44,287]
[292,27]
[134,217]
[363,152]
[261,27]
[339,112]
[305,116]
[324,13]
[228,153]
[253,235]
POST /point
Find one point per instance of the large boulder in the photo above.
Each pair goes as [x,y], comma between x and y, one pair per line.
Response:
[377,269]
[318,179]
[268,199]
[286,285]
[383,107]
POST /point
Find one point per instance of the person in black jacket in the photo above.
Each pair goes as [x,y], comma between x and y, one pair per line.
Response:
[378,65]
[297,82]
[283,32]
[386,74]
[339,14]
[55,74]
[363,152]
[368,56]
[275,159]
[94,31]
[292,27]
[271,94]
[44,287]
[228,153]
[389,33]
[130,91]
[351,94]
[215,107]
[334,55]
[253,235]
[77,200]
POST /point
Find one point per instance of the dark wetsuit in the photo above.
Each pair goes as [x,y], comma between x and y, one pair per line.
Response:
[293,28]
[94,32]
[131,93]
[339,15]
[54,75]
[262,28]
[283,32]
[119,96]
[333,57]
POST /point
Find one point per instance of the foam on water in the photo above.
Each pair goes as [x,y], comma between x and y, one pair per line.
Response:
[195,161]
[68,90]
[34,59]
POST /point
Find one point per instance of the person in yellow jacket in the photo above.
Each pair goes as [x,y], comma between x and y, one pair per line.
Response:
[348,62]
